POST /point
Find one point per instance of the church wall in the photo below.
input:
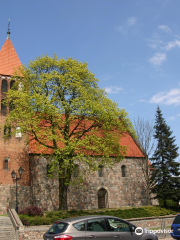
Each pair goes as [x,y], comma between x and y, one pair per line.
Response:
[121,191]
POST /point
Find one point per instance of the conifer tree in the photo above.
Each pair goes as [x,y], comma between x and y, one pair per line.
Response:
[165,168]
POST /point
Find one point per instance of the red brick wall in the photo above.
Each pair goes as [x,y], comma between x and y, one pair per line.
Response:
[14,149]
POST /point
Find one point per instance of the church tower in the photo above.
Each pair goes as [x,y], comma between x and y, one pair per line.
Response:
[13,151]
[9,61]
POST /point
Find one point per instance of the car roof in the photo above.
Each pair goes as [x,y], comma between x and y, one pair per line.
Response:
[84,218]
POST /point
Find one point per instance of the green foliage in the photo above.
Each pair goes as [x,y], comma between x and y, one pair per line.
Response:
[124,214]
[165,174]
[59,104]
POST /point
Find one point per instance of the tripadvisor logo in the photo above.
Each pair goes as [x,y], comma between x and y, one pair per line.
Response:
[139,231]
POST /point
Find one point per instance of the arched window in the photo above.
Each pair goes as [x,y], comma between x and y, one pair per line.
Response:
[100,171]
[102,198]
[3,107]
[76,171]
[12,83]
[123,170]
[4,86]
[6,160]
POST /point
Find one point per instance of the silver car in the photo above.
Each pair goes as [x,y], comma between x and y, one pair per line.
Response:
[99,227]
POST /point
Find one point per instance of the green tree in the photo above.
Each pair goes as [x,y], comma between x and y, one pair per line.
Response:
[59,105]
[165,170]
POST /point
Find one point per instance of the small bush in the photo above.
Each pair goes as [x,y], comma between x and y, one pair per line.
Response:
[25,222]
[32,211]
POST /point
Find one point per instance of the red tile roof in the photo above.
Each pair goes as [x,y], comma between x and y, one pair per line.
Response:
[9,59]
[133,150]
[126,140]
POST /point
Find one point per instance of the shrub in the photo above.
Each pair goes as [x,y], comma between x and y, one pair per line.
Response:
[25,222]
[32,211]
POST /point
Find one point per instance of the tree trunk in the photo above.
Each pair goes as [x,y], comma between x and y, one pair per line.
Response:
[63,187]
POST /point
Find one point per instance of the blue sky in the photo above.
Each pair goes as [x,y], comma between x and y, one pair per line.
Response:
[132,46]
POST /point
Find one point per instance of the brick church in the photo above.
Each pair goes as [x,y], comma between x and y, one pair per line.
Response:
[122,185]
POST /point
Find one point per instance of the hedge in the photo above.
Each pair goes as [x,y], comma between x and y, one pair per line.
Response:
[50,217]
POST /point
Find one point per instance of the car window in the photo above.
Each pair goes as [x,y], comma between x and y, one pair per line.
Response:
[116,225]
[58,227]
[177,219]
[96,225]
[80,226]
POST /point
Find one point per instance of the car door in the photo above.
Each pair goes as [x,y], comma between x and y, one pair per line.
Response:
[120,229]
[96,228]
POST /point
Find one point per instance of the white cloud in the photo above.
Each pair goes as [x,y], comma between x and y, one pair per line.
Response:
[158,58]
[132,21]
[155,42]
[171,118]
[168,98]
[178,115]
[165,28]
[142,100]
[113,89]
[175,43]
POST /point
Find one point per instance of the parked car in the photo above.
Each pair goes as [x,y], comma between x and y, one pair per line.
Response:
[175,228]
[99,227]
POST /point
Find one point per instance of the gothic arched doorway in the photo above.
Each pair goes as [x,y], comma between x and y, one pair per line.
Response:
[102,198]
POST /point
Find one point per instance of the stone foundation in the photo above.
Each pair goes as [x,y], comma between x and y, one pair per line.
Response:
[8,197]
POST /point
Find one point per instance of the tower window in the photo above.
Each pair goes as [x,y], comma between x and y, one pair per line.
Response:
[12,83]
[4,86]
[3,107]
[7,130]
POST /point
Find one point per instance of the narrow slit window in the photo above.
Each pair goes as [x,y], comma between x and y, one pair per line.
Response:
[4,86]
[7,130]
[12,83]
[100,171]
[6,164]
[123,170]
[3,107]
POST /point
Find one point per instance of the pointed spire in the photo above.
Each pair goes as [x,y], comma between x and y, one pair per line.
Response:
[8,32]
[9,60]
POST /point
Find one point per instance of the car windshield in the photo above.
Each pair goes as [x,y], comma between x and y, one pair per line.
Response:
[177,220]
[58,227]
